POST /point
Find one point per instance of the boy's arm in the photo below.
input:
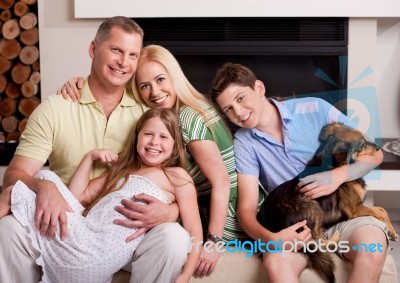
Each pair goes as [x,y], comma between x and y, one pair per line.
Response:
[247,215]
[325,183]
[247,207]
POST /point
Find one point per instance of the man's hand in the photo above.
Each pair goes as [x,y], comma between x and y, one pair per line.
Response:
[51,210]
[145,217]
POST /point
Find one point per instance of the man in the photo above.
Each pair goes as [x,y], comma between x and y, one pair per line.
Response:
[274,144]
[62,132]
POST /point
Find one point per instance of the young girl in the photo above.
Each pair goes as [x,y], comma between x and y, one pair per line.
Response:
[95,248]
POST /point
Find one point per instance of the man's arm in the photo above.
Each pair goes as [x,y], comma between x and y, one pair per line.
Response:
[51,207]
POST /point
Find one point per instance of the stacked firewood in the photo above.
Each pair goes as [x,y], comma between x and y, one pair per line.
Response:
[19,66]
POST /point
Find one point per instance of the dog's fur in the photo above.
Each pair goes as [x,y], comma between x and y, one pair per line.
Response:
[285,205]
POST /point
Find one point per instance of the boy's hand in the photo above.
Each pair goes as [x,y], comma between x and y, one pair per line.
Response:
[297,232]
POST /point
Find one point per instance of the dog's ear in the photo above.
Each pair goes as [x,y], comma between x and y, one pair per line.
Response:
[326,149]
[355,148]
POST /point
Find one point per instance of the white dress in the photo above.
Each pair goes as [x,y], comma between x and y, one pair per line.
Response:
[95,247]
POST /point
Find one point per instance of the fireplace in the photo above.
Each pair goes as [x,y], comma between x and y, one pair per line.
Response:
[292,56]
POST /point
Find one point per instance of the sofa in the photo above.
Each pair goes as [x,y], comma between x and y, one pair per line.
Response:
[236,267]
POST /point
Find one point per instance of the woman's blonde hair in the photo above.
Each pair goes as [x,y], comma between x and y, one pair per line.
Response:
[129,160]
[186,94]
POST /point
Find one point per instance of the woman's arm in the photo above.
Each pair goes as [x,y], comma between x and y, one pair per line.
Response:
[208,157]
[79,185]
[186,198]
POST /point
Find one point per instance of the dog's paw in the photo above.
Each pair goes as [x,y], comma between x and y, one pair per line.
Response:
[393,236]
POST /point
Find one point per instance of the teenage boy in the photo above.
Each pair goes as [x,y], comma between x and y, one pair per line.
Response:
[274,144]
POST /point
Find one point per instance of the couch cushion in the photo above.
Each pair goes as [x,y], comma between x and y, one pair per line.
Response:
[235,267]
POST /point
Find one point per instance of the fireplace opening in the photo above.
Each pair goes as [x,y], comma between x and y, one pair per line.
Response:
[294,57]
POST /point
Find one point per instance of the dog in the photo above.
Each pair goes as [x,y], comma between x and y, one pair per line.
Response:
[285,205]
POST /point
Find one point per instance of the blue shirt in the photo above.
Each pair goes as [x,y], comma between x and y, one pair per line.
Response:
[259,154]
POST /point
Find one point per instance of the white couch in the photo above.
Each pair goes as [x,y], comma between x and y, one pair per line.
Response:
[235,267]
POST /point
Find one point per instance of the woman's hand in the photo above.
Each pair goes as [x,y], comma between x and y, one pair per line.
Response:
[208,260]
[71,88]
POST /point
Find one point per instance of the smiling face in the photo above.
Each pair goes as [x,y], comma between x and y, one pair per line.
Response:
[115,59]
[155,85]
[155,143]
[243,105]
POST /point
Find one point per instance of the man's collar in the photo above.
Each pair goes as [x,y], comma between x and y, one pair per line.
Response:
[128,98]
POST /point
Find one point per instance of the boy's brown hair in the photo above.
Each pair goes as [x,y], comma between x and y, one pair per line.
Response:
[231,74]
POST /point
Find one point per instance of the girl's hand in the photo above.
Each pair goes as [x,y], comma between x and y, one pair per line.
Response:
[103,155]
[71,88]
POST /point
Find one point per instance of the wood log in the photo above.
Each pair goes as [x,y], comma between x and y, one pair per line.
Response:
[29,36]
[29,54]
[10,124]
[36,66]
[2,137]
[8,107]
[28,21]
[6,4]
[28,89]
[5,64]
[29,2]
[35,77]
[3,83]
[13,136]
[13,90]
[20,73]
[11,29]
[22,125]
[5,15]
[21,9]
[10,49]
[27,105]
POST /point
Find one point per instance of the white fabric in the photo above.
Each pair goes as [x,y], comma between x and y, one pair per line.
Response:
[95,247]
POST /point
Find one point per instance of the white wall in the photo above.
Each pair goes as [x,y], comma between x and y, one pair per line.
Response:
[373,42]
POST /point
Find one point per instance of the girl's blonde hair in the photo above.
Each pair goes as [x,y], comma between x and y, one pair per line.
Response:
[186,94]
[129,160]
